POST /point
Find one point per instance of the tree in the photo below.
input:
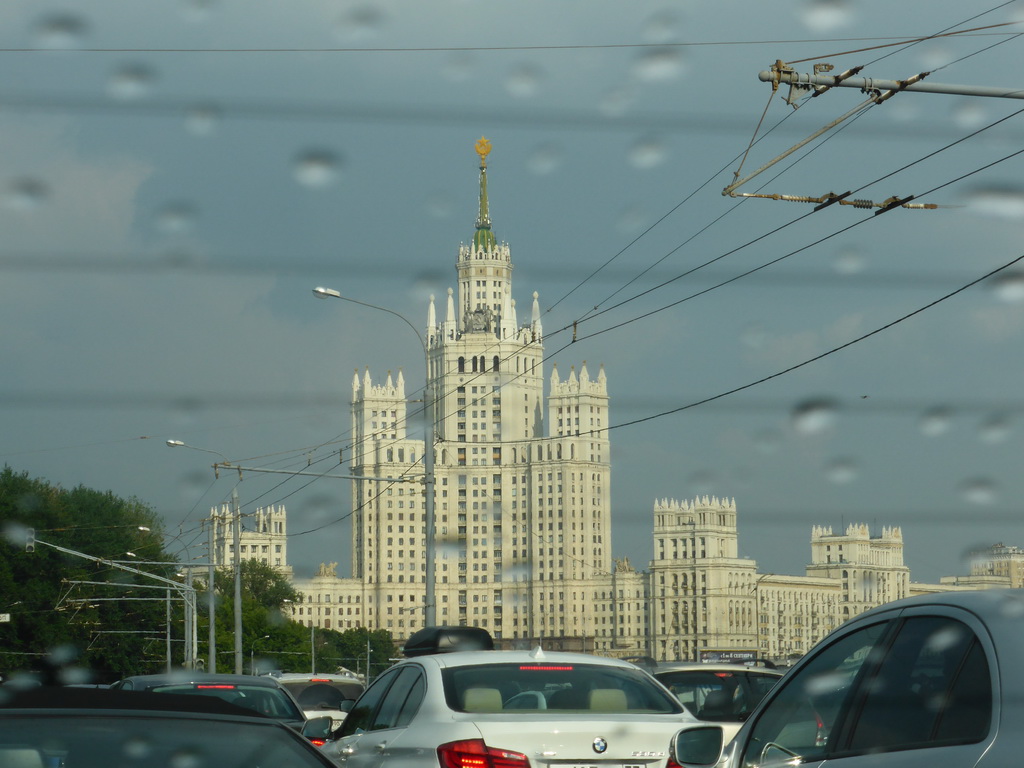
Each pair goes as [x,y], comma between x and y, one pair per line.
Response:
[107,626]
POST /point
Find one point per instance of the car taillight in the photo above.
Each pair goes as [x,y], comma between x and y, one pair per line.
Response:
[474,753]
[318,742]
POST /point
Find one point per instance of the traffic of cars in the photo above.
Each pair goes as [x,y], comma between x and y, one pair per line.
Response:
[931,681]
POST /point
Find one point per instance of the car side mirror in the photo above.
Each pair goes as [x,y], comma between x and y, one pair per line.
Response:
[317,727]
[698,746]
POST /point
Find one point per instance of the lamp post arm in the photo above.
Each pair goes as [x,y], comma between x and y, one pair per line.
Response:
[429,438]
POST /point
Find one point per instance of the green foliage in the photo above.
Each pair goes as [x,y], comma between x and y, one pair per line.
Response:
[105,627]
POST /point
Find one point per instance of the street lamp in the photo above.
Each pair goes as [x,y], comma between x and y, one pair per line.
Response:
[252,654]
[429,435]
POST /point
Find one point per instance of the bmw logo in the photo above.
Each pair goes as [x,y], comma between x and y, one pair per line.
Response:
[600,745]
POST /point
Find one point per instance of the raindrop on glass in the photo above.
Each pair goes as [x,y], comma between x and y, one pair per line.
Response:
[458,68]
[754,336]
[132,81]
[825,15]
[192,485]
[997,202]
[176,218]
[178,258]
[25,195]
[936,422]
[1008,287]
[545,159]
[317,168]
[841,471]
[995,429]
[615,102]
[814,416]
[632,219]
[647,153]
[702,482]
[768,441]
[849,261]
[198,10]
[659,65]
[202,120]
[969,114]
[362,22]
[662,27]
[439,205]
[980,491]
[60,30]
[523,81]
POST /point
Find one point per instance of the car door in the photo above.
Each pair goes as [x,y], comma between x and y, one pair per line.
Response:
[391,737]
[369,736]
[904,690]
[347,746]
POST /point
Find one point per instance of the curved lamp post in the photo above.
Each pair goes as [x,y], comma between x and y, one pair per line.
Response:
[252,654]
[429,435]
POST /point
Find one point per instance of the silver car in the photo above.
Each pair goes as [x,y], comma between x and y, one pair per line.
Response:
[928,681]
[510,709]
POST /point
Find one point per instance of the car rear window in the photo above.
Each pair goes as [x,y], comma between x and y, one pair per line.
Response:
[320,693]
[271,702]
[542,686]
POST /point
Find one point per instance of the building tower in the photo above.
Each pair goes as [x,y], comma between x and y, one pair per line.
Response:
[703,592]
[521,517]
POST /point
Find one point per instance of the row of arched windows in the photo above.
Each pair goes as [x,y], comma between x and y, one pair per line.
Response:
[479,364]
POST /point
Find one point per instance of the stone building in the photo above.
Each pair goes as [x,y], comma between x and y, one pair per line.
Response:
[521,481]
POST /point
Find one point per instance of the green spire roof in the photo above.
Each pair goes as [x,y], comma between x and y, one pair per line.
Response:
[483,238]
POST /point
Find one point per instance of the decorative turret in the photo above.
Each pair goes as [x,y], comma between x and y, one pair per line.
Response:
[484,267]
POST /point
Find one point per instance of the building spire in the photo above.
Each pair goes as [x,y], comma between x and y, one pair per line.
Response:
[483,238]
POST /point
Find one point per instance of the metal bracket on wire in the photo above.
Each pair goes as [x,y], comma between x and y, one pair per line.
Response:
[817,85]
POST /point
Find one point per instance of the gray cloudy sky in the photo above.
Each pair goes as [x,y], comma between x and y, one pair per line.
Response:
[176,175]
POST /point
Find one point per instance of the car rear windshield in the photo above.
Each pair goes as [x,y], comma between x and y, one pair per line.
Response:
[541,686]
[271,702]
[718,695]
[321,693]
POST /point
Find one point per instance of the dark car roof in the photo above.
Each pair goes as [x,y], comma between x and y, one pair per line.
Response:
[72,698]
[186,677]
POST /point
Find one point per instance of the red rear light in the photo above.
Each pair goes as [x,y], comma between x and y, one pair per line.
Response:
[218,687]
[318,742]
[544,668]
[474,753]
[319,680]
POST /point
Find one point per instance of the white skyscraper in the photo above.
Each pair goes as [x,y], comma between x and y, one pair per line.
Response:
[523,515]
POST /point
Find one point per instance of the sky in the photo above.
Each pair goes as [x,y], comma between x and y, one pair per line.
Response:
[177,175]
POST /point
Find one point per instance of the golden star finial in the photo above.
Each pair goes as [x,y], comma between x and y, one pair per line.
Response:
[483,148]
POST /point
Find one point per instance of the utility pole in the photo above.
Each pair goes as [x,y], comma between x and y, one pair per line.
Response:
[211,666]
[236,522]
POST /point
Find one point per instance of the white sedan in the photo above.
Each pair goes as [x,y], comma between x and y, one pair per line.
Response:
[509,709]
